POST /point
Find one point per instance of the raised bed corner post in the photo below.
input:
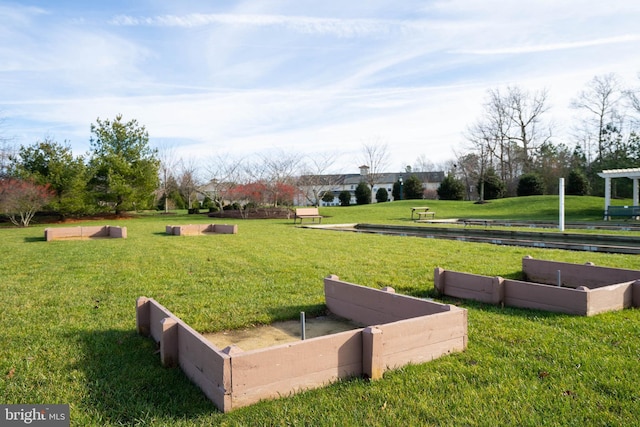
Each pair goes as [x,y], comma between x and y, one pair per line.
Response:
[497,291]
[438,280]
[143,316]
[635,293]
[169,343]
[372,360]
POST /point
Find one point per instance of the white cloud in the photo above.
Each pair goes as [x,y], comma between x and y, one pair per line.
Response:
[300,24]
[554,46]
[259,75]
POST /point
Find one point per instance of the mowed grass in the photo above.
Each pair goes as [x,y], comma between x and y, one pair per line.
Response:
[68,323]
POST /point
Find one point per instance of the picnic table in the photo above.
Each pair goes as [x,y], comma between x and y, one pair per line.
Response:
[422,212]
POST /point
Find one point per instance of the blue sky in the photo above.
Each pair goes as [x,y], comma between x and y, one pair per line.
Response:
[241,77]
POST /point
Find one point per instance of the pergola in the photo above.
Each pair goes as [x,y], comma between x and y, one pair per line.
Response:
[631,173]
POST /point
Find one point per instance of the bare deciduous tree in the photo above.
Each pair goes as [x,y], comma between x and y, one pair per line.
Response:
[188,179]
[423,164]
[168,167]
[315,182]
[510,131]
[469,168]
[23,198]
[223,174]
[277,169]
[600,102]
[7,151]
[375,157]
[525,110]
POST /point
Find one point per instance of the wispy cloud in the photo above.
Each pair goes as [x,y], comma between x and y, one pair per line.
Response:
[255,74]
[553,46]
[300,24]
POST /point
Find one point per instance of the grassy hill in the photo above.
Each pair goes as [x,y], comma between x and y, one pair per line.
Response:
[541,208]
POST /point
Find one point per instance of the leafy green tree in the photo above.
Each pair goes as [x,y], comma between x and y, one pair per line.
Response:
[494,187]
[50,163]
[413,188]
[396,191]
[382,195]
[363,193]
[577,183]
[451,188]
[530,184]
[124,169]
[328,197]
[345,198]
[552,162]
[207,203]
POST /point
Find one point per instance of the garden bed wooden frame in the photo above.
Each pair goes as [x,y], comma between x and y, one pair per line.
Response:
[403,330]
[197,229]
[86,232]
[585,289]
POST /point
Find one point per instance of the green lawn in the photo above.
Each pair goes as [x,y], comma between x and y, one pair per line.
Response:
[68,318]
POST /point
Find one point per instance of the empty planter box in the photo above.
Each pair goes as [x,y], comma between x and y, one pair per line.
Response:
[90,232]
[401,330]
[196,229]
[582,289]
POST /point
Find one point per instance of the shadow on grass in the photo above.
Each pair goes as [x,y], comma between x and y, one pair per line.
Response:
[33,239]
[127,385]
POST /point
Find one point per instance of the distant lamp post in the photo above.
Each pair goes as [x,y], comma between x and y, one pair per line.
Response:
[400,181]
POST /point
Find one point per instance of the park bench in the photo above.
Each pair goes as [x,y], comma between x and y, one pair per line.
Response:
[422,212]
[622,211]
[302,213]
[471,221]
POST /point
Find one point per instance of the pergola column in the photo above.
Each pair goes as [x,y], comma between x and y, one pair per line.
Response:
[607,192]
[635,192]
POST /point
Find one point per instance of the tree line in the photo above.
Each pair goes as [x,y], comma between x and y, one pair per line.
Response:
[513,139]
[510,151]
[119,173]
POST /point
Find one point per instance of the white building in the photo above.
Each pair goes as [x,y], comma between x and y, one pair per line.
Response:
[313,187]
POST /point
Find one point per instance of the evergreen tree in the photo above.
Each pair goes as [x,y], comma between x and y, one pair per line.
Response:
[363,193]
[395,191]
[413,188]
[328,197]
[577,183]
[124,169]
[451,189]
[494,187]
[530,184]
[382,195]
[345,198]
[50,163]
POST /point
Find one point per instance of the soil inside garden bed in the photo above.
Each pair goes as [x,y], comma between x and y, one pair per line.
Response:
[279,332]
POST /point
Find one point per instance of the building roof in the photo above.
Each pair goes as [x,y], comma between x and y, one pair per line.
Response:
[620,173]
[355,178]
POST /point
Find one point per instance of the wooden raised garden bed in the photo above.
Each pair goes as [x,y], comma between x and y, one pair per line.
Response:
[403,330]
[582,289]
[90,232]
[197,229]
